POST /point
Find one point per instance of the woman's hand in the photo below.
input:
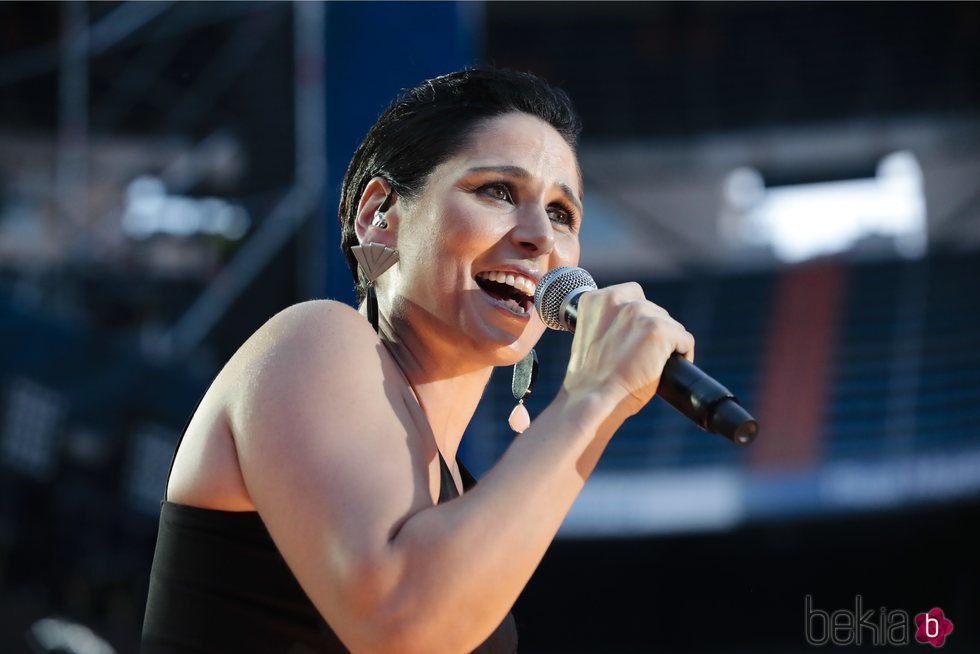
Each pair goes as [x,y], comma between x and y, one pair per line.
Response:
[622,341]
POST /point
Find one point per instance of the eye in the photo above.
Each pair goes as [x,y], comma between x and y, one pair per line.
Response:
[497,191]
[561,215]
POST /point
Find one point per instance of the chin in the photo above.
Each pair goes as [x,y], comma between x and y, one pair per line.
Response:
[513,351]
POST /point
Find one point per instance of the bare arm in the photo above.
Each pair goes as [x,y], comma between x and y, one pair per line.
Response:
[336,467]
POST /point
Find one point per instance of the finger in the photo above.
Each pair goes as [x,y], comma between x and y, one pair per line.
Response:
[688,346]
[683,340]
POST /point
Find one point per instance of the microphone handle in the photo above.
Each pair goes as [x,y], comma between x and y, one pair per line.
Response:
[707,403]
[690,390]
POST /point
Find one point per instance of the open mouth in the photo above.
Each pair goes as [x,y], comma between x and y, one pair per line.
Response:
[510,291]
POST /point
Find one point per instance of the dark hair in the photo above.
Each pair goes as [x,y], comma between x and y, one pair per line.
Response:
[430,123]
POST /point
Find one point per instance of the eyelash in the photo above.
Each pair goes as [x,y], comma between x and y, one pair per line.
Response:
[569,219]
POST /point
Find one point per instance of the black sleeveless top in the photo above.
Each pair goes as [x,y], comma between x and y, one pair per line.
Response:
[219,585]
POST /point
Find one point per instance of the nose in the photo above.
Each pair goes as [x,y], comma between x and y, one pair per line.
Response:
[534,232]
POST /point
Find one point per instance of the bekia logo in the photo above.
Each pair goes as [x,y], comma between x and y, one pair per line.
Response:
[933,627]
[884,627]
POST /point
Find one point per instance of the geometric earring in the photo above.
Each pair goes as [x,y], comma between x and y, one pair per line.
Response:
[373,260]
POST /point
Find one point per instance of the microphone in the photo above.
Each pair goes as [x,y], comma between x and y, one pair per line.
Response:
[683,385]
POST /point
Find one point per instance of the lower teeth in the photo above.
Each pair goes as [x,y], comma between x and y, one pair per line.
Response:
[514,306]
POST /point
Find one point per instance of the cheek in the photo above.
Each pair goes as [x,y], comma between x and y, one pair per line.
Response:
[442,252]
[567,251]
[463,231]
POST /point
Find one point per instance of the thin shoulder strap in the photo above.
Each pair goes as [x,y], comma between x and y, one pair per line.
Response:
[469,481]
[447,485]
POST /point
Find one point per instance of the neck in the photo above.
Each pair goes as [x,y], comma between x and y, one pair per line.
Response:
[446,385]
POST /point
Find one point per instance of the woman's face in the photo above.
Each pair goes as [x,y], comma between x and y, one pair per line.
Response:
[488,224]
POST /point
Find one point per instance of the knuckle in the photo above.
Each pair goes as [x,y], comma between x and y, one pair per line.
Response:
[634,289]
[634,309]
[626,291]
[650,321]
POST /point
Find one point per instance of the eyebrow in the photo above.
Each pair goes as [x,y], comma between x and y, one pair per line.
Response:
[521,173]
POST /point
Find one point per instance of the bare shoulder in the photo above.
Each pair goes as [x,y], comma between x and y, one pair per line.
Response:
[319,353]
[304,349]
[331,451]
[321,323]
[297,342]
[323,314]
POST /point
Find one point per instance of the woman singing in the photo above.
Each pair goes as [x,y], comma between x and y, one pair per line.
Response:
[315,503]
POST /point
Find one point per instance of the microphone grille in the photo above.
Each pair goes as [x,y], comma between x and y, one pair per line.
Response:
[554,287]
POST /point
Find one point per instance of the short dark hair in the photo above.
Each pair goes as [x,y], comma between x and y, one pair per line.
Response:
[429,124]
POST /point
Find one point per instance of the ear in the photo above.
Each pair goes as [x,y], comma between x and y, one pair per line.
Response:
[371,200]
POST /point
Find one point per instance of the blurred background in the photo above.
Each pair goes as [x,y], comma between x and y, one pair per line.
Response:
[798,183]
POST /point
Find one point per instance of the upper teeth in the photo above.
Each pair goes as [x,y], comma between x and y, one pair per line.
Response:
[519,282]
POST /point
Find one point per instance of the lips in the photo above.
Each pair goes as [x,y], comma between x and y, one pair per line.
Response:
[508,289]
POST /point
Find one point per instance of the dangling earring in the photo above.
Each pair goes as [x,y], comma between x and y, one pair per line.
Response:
[525,374]
[373,260]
